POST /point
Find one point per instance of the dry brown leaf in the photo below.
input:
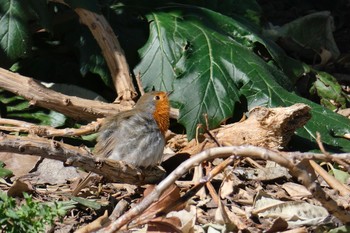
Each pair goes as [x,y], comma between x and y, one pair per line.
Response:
[296,213]
[278,225]
[167,199]
[296,190]
[187,218]
[159,224]
[226,187]
[19,164]
[18,188]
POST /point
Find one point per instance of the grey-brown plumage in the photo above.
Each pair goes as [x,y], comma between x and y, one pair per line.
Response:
[136,136]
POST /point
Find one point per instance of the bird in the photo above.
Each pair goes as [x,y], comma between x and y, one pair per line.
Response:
[136,136]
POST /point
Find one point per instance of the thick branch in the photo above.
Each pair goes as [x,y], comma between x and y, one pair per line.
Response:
[71,106]
[114,171]
[112,52]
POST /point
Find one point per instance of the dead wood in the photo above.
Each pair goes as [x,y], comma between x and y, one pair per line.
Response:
[114,171]
[265,127]
[71,106]
[112,52]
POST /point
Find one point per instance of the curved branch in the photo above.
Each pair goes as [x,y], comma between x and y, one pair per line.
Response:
[112,52]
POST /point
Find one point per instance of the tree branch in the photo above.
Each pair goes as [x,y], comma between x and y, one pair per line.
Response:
[112,52]
[11,125]
[71,106]
[112,170]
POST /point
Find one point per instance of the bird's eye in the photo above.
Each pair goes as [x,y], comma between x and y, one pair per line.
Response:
[157,97]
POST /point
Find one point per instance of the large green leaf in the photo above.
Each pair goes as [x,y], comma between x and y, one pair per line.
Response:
[14,34]
[203,56]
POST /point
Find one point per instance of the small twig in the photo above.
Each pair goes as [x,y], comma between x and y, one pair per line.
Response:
[199,126]
[207,130]
[47,131]
[330,180]
[139,83]
[320,145]
[253,163]
[297,156]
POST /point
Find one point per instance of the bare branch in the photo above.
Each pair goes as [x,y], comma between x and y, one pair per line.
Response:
[112,170]
[71,106]
[112,52]
[47,131]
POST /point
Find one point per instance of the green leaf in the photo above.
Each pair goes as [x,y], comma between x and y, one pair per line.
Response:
[3,171]
[91,58]
[18,108]
[340,175]
[329,91]
[341,229]
[14,34]
[208,60]
[88,203]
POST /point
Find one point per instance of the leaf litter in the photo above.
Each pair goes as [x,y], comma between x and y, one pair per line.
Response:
[247,195]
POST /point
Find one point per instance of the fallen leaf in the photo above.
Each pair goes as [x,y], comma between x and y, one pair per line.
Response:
[296,190]
[19,164]
[296,213]
[18,188]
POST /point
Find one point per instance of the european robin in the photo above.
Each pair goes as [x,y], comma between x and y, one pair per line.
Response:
[137,136]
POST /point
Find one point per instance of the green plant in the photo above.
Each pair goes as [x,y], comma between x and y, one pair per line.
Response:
[31,216]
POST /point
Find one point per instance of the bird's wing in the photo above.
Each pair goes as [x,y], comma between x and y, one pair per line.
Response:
[110,132]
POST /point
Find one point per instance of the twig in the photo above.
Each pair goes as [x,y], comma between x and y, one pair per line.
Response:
[330,180]
[320,144]
[112,52]
[116,171]
[295,156]
[207,130]
[323,150]
[139,83]
[47,131]
[190,193]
